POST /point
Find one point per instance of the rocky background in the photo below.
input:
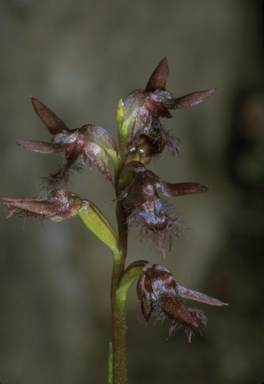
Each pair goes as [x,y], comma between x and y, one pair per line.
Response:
[79,58]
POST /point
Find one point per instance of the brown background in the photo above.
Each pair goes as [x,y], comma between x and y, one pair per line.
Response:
[79,57]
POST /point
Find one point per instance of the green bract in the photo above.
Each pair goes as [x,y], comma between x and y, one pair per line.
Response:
[97,223]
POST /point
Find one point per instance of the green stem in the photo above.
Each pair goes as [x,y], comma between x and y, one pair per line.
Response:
[119,326]
[110,364]
[120,375]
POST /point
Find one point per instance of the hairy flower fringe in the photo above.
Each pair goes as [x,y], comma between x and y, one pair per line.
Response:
[159,237]
[54,181]
[24,215]
[164,135]
[198,315]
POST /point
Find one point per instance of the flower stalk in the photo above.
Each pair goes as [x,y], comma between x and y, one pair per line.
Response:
[140,204]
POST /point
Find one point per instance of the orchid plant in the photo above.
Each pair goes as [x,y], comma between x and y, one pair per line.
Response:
[140,204]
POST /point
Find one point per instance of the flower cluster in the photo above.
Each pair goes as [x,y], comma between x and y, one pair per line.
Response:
[159,293]
[145,137]
[139,192]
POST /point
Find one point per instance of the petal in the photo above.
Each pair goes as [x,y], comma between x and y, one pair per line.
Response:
[137,117]
[159,77]
[52,122]
[97,155]
[100,136]
[146,297]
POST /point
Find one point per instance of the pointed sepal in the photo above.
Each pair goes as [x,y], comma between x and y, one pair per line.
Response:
[159,77]
[54,124]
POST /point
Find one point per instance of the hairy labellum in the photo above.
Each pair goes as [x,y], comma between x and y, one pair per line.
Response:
[156,222]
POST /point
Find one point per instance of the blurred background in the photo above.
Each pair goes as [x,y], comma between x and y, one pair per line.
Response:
[79,58]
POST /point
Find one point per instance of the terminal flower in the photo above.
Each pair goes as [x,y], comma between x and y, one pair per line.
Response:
[143,108]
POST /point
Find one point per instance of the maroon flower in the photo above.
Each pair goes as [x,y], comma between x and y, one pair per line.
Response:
[147,211]
[159,293]
[58,206]
[143,108]
[89,141]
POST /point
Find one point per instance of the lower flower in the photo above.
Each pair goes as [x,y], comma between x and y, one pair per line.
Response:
[159,293]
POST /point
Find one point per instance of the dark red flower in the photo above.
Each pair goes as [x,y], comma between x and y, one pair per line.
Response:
[159,293]
[58,206]
[89,141]
[143,108]
[147,211]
